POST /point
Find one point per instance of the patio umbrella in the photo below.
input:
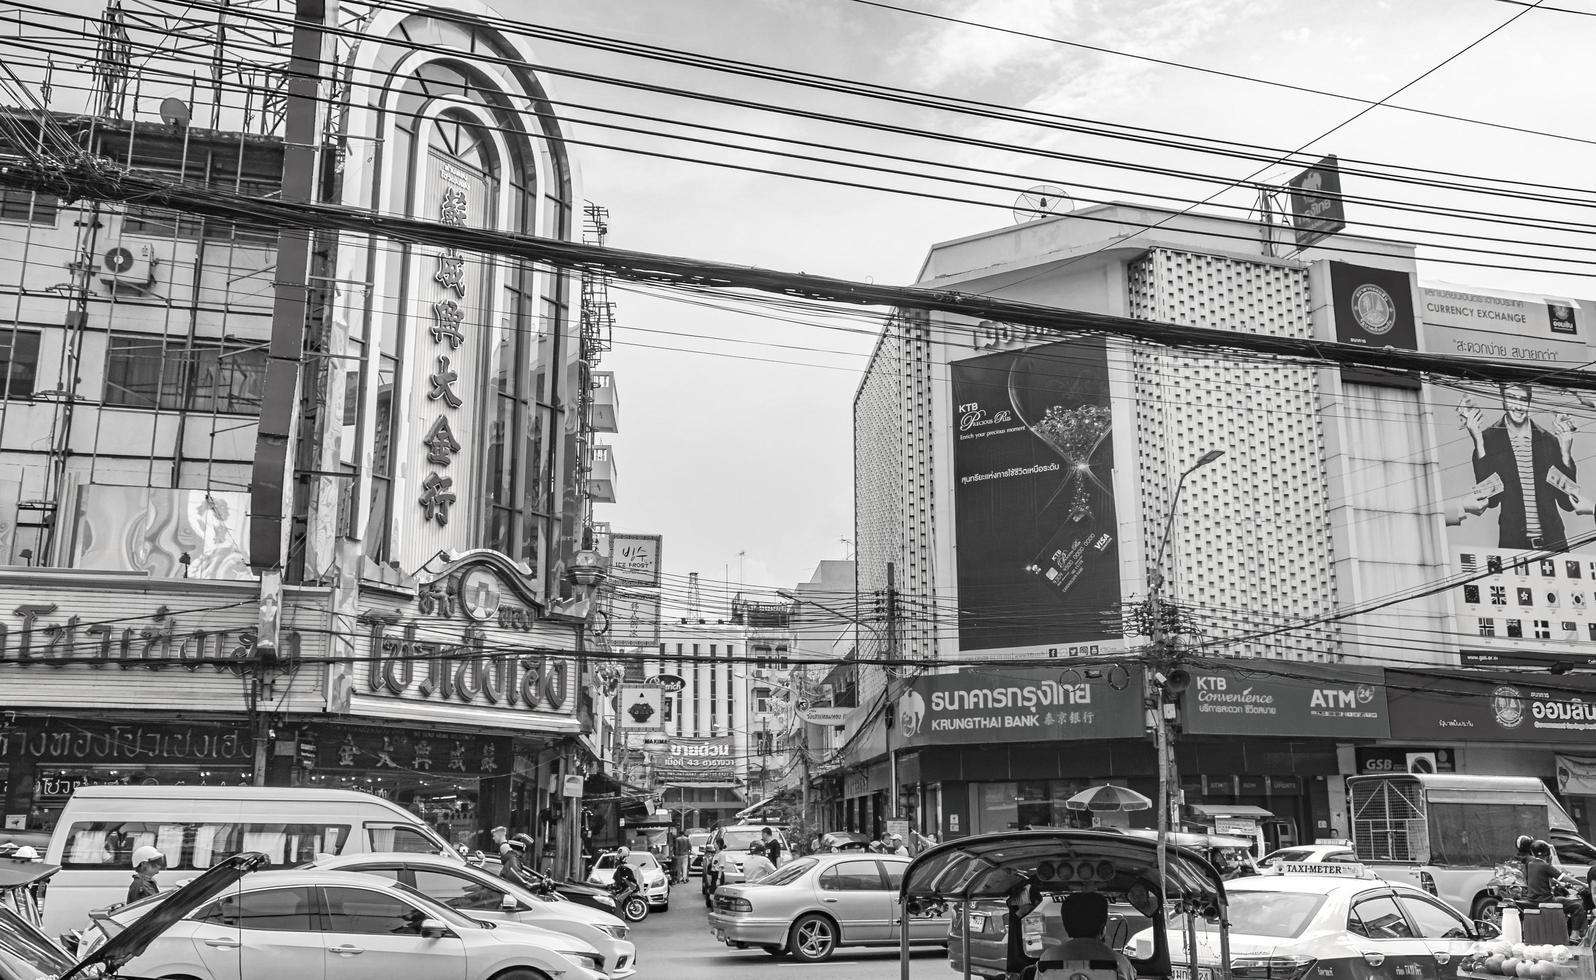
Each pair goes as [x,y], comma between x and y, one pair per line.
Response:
[1108,799]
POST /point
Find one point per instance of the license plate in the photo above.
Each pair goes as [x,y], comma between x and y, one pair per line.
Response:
[1184,973]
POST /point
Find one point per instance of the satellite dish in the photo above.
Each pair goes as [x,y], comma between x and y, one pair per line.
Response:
[174,112]
[1041,201]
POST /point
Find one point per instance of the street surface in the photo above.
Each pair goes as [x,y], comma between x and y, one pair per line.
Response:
[677,944]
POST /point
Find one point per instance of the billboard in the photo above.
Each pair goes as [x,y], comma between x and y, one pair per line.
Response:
[1373,307]
[1020,704]
[634,558]
[641,708]
[1034,511]
[697,761]
[1513,464]
[1316,209]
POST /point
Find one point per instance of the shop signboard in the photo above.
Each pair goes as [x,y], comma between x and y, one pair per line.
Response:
[640,708]
[1019,704]
[633,619]
[1501,709]
[94,641]
[1373,307]
[1576,775]
[1331,702]
[1529,593]
[468,647]
[697,761]
[57,742]
[1383,759]
[1316,209]
[411,752]
[634,558]
[1035,518]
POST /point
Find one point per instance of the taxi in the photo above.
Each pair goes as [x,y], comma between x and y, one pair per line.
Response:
[1306,921]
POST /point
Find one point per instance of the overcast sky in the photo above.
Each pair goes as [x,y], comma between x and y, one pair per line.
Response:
[736,440]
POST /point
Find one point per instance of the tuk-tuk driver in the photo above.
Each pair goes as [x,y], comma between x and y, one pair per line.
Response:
[1084,916]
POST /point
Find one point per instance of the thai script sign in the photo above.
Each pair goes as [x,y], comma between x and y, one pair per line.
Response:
[1020,705]
[697,760]
[1498,707]
[404,658]
[1336,702]
[635,558]
[60,744]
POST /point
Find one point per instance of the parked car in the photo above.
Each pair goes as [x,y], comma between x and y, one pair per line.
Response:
[26,953]
[1309,853]
[582,893]
[695,863]
[336,926]
[812,905]
[1330,920]
[727,847]
[194,827]
[655,883]
[484,896]
[842,840]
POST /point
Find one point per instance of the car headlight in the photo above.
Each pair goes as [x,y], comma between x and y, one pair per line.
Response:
[592,961]
[616,931]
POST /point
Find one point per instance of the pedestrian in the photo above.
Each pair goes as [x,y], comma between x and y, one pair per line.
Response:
[772,847]
[921,841]
[509,856]
[682,853]
[894,845]
[757,864]
[147,863]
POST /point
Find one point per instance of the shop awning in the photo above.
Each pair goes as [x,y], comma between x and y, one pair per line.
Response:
[1213,810]
[602,785]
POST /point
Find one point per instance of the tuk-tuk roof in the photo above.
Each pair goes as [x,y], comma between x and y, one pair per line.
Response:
[16,874]
[990,865]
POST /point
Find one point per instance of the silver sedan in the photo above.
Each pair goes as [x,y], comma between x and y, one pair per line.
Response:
[811,905]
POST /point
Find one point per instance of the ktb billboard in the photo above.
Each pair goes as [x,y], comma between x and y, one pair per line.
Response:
[1034,511]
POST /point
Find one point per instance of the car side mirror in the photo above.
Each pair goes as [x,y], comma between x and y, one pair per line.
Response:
[509,903]
[1486,930]
[433,929]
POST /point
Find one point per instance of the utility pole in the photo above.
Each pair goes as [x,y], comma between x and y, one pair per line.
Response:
[1165,678]
[893,656]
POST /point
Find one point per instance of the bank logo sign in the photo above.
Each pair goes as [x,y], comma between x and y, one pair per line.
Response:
[1350,703]
[1019,705]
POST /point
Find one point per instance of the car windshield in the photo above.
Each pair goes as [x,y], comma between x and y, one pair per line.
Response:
[643,861]
[698,839]
[24,951]
[1288,854]
[1277,915]
[738,839]
[788,872]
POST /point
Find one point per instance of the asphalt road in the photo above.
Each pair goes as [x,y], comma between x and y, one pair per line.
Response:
[676,945]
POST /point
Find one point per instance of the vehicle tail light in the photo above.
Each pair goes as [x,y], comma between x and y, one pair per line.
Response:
[1427,882]
[731,903]
[1272,967]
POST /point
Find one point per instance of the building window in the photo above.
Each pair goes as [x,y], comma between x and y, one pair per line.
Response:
[21,205]
[146,371]
[761,700]
[19,363]
[762,743]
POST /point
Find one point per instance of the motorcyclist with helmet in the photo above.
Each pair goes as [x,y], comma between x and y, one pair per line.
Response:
[147,863]
[625,882]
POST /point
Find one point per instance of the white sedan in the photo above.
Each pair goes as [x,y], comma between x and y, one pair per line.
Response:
[655,884]
[342,926]
[481,895]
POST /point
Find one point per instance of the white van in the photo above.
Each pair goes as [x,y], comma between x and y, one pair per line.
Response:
[197,826]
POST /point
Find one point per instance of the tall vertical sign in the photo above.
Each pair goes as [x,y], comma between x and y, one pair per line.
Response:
[1034,511]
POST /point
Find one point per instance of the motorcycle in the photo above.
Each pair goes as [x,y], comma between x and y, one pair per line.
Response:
[629,899]
[593,896]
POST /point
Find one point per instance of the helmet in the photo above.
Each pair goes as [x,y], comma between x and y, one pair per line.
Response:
[1524,842]
[24,853]
[622,852]
[147,853]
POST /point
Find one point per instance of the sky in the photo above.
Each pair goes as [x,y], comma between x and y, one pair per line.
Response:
[736,419]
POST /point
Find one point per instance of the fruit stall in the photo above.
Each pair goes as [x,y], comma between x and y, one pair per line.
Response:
[1529,961]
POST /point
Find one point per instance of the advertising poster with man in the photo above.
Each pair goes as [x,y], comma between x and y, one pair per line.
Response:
[1518,469]
[1037,536]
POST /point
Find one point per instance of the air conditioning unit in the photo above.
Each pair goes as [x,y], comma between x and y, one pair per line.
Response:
[126,262]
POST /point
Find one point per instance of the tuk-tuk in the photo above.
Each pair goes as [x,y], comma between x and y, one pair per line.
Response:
[1024,869]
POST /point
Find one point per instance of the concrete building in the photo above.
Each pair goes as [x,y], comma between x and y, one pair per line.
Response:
[1023,487]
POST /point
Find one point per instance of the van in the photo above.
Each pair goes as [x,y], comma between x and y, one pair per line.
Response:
[197,826]
[1446,833]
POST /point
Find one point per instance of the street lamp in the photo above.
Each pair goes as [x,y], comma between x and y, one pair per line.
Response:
[1164,676]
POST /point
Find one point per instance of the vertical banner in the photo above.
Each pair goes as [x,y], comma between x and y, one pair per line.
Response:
[634,620]
[1035,524]
[1373,307]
